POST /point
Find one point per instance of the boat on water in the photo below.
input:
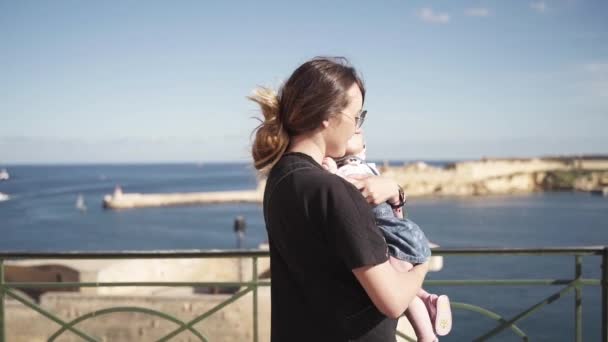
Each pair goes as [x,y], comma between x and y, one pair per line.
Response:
[80,205]
[3,197]
[4,175]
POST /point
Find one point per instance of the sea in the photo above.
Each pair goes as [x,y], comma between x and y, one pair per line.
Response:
[45,211]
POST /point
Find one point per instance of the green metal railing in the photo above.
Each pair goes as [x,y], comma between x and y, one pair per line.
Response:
[576,284]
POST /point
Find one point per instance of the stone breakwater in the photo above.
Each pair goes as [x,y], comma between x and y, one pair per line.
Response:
[120,200]
[501,176]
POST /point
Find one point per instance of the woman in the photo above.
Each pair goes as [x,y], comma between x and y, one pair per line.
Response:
[331,275]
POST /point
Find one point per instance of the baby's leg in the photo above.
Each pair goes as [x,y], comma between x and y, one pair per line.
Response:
[436,308]
[439,309]
[416,312]
[423,294]
[420,320]
[400,265]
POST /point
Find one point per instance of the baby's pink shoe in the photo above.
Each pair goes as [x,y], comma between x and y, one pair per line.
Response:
[441,313]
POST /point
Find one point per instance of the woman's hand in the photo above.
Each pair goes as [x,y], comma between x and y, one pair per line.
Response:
[376,189]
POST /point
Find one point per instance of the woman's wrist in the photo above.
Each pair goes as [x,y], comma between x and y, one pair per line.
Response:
[398,200]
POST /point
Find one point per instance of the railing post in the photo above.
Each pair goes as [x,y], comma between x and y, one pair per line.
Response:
[2,324]
[255,299]
[578,300]
[604,285]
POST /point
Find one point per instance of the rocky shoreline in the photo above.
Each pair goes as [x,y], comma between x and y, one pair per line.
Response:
[503,176]
[468,178]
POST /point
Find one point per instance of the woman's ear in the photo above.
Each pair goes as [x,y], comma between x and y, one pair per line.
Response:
[325,123]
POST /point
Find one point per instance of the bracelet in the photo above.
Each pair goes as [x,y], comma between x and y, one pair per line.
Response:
[401,199]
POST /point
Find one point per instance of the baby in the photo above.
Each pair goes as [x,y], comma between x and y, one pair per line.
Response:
[429,314]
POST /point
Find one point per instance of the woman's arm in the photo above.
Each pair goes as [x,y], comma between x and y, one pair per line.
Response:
[390,290]
[377,189]
[398,212]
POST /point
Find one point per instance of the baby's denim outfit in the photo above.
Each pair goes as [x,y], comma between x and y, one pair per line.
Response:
[404,238]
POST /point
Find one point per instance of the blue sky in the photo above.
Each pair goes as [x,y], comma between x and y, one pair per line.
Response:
[152,81]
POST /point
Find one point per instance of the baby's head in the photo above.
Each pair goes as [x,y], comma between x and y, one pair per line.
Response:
[356,145]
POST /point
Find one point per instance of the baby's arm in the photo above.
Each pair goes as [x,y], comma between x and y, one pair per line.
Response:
[345,171]
[330,165]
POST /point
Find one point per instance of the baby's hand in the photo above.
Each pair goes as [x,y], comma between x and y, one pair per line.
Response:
[330,165]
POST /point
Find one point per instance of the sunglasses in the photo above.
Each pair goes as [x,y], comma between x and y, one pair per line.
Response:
[358,119]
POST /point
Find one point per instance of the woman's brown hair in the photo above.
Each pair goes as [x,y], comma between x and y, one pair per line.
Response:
[315,91]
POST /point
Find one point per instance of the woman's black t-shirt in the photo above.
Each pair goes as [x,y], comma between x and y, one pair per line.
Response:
[320,228]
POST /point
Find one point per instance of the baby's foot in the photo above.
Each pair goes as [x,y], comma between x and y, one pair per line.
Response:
[440,313]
